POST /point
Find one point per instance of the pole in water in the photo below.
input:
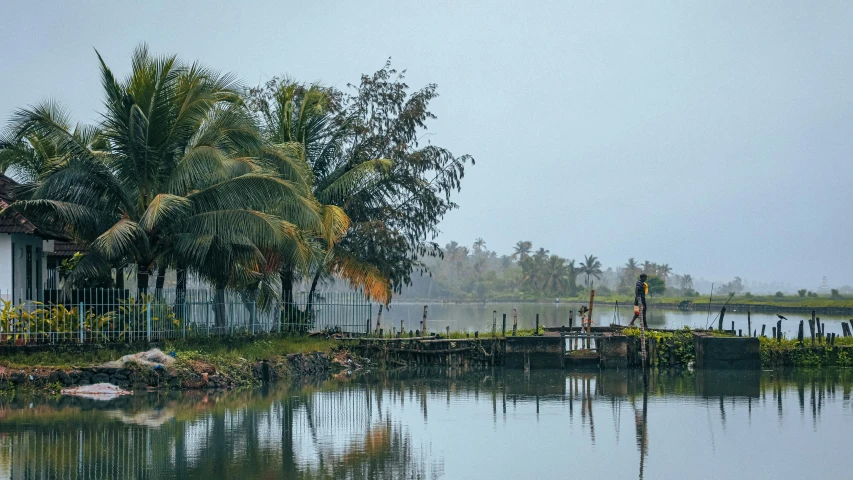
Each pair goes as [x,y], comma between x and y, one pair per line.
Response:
[494,322]
[514,322]
[748,323]
[503,326]
[424,327]
[722,315]
[379,318]
[536,332]
[762,329]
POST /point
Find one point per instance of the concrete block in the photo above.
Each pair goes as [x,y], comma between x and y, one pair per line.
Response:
[726,352]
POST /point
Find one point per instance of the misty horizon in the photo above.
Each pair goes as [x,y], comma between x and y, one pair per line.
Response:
[714,137]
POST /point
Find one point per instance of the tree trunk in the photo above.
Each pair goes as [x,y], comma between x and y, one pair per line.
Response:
[160,282]
[288,307]
[219,309]
[249,296]
[142,275]
[181,293]
[120,278]
[309,307]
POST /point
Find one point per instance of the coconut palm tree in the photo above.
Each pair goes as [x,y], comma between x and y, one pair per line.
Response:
[303,134]
[479,245]
[522,249]
[556,275]
[591,267]
[175,183]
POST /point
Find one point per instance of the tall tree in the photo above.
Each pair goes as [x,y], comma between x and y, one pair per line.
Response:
[591,267]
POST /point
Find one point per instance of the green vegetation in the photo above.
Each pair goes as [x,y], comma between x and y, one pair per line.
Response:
[186,173]
[222,352]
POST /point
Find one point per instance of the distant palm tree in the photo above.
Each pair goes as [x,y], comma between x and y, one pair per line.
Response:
[522,250]
[591,267]
[555,275]
[632,267]
[479,245]
[663,271]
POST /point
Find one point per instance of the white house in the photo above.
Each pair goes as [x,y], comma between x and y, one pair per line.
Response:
[24,250]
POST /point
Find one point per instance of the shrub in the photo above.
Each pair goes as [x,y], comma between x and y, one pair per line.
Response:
[779,295]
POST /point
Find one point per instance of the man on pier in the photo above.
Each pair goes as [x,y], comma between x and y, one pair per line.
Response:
[640,291]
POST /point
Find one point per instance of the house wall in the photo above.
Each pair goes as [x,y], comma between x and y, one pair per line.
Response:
[17,260]
[5,264]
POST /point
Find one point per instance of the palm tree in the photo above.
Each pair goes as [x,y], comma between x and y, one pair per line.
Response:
[556,275]
[175,183]
[479,245]
[522,249]
[302,135]
[591,267]
[663,271]
[632,267]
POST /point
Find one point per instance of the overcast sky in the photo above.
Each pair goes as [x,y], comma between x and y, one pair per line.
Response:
[713,136]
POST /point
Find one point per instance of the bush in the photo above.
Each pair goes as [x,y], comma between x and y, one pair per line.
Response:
[802,292]
[780,295]
[747,295]
[834,293]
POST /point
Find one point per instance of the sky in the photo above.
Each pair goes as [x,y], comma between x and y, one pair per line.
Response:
[712,136]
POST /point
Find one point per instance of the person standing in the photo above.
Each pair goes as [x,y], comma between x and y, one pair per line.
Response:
[640,292]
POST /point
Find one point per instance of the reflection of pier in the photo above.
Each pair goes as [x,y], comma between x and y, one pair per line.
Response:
[361,429]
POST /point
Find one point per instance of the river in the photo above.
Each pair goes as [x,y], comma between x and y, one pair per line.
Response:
[491,423]
[478,317]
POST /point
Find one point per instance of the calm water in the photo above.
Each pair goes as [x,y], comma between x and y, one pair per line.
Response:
[471,317]
[439,424]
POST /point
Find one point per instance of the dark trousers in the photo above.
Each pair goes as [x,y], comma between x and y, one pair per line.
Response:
[642,303]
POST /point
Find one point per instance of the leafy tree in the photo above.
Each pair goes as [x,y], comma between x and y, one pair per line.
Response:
[779,295]
[657,286]
[834,293]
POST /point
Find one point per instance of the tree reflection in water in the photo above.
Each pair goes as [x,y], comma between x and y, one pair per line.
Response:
[363,428]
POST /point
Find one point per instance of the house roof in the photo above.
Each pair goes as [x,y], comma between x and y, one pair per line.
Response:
[14,222]
[65,249]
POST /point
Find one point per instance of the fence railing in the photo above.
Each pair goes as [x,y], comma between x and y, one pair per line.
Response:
[112,315]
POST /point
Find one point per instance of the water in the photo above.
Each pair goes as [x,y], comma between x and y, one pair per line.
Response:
[471,317]
[441,424]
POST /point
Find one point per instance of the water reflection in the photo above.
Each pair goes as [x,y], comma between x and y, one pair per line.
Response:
[444,423]
[471,317]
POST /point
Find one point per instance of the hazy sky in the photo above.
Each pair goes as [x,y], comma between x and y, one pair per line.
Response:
[714,136]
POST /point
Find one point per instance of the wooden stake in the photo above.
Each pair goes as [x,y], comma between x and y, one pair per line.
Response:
[379,318]
[514,322]
[424,327]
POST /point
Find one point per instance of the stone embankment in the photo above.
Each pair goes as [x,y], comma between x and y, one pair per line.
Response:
[190,374]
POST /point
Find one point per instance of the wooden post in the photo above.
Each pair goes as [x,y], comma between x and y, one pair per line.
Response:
[851,327]
[424,327]
[589,318]
[402,330]
[774,333]
[762,329]
[800,333]
[536,332]
[812,327]
[811,330]
[514,322]
[494,323]
[779,330]
[748,323]
[733,325]
[722,315]
[503,327]
[448,331]
[476,334]
[379,319]
[740,333]
[571,319]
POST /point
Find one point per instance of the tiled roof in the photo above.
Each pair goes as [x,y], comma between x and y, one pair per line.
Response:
[66,249]
[14,222]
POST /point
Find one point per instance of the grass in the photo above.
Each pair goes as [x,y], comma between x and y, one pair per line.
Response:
[220,352]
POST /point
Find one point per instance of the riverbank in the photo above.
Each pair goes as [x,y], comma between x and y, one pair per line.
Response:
[225,363]
[237,363]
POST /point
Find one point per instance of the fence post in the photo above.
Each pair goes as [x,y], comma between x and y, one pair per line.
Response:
[148,321]
[82,317]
